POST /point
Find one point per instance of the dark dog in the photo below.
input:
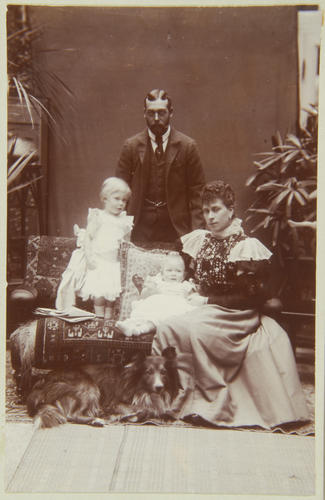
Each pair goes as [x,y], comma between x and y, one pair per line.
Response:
[143,389]
[65,396]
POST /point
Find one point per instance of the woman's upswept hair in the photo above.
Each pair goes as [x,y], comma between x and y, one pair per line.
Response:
[218,189]
[113,185]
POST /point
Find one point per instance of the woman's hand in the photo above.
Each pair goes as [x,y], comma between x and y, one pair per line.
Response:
[196,299]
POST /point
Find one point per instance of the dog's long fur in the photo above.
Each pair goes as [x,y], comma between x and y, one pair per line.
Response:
[64,396]
[22,342]
[145,388]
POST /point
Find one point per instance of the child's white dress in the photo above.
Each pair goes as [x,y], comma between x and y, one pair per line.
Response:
[105,279]
[170,300]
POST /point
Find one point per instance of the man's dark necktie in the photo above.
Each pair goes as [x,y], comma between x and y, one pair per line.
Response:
[159,149]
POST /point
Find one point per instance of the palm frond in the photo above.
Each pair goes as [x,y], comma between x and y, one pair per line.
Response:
[288,210]
[27,102]
[19,165]
[20,97]
[269,186]
[294,140]
[43,107]
[24,184]
[299,198]
[279,199]
[284,185]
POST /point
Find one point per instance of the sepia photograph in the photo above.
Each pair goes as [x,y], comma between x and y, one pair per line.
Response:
[160,250]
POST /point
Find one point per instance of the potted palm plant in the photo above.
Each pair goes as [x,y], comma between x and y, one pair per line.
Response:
[36,88]
[35,99]
[284,209]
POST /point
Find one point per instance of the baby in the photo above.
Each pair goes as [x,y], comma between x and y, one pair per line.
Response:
[163,295]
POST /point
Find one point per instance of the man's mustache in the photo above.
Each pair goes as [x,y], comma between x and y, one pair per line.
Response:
[158,129]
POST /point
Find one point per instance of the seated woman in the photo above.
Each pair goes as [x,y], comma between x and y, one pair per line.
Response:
[240,362]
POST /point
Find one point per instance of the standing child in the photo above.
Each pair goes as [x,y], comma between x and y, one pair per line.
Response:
[94,270]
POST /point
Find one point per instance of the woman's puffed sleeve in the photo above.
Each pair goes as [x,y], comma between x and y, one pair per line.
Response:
[251,258]
[193,241]
[249,249]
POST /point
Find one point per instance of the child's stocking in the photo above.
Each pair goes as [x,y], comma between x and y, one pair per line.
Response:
[99,307]
[108,314]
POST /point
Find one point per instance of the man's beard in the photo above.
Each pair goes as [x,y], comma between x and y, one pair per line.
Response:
[158,129]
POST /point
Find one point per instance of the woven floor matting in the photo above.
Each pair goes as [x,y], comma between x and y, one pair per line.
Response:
[147,459]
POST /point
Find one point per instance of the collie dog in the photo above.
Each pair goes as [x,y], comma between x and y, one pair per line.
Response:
[143,389]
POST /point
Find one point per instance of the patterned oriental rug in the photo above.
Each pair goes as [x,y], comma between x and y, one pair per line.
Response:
[93,341]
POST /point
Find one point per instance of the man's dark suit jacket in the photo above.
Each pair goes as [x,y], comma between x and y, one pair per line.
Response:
[184,178]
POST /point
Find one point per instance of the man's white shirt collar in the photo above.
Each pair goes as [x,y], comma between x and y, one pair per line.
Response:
[164,139]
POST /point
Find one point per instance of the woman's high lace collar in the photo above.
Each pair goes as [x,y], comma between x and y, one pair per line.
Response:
[235,227]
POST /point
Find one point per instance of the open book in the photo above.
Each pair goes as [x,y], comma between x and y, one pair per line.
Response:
[71,314]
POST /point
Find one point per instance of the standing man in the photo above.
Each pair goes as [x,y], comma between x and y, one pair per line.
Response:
[163,169]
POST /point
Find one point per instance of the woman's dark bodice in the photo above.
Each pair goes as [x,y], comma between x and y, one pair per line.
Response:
[212,271]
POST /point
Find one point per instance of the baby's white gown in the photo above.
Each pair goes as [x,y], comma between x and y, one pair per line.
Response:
[170,300]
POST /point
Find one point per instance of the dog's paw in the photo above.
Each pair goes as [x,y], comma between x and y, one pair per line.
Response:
[131,417]
[169,415]
[144,415]
[97,422]
[113,419]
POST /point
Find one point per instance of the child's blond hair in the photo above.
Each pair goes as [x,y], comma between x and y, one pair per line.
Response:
[112,185]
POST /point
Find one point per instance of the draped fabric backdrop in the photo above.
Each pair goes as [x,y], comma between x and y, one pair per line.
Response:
[231,72]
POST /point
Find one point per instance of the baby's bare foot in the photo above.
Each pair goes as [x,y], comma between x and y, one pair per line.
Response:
[146,327]
[125,327]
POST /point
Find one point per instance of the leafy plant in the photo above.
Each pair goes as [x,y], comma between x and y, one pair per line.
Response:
[42,96]
[285,187]
[16,166]
[39,90]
